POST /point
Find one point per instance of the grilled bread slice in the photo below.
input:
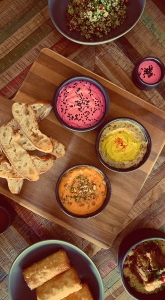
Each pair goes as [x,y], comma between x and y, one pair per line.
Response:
[43,164]
[26,118]
[42,271]
[15,185]
[7,171]
[41,110]
[18,157]
[58,149]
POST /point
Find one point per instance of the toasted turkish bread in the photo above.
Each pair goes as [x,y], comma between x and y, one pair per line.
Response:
[18,157]
[25,116]
[23,140]
[45,269]
[15,185]
[42,163]
[41,110]
[58,148]
[7,170]
[59,286]
[83,294]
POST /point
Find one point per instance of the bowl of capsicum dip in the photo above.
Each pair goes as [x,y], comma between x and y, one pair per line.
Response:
[81,103]
[83,191]
[123,145]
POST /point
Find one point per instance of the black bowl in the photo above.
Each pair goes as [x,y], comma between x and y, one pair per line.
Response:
[131,241]
[81,104]
[7,214]
[57,11]
[91,214]
[146,137]
[142,85]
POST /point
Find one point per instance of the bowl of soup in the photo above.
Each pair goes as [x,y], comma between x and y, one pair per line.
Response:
[141,262]
[123,145]
[83,191]
[81,103]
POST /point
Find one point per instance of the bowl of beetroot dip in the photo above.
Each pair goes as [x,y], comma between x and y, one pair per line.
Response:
[148,73]
[81,103]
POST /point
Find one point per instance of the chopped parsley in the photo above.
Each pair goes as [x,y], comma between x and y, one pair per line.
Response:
[95,18]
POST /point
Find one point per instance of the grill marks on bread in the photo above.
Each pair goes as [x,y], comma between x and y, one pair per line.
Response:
[43,164]
[19,158]
[26,118]
[22,135]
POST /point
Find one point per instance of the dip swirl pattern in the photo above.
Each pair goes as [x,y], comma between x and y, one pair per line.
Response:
[122,144]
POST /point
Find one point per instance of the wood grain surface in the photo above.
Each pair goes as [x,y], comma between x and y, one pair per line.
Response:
[47,72]
[25,29]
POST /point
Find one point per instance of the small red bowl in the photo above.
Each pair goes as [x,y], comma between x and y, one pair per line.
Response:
[148,73]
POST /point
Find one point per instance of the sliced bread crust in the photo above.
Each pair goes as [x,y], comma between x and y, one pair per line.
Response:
[26,118]
[41,110]
[18,157]
[15,185]
[43,164]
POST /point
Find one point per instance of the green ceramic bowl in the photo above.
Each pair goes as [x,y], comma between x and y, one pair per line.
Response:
[86,269]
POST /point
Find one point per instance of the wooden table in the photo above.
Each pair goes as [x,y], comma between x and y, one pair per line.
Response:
[25,30]
[47,72]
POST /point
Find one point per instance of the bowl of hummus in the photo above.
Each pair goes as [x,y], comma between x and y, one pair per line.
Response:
[123,145]
[141,262]
[81,103]
[83,191]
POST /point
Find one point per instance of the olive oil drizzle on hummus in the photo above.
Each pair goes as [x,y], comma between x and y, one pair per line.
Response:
[122,144]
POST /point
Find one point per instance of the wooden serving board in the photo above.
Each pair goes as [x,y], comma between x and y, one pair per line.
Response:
[47,72]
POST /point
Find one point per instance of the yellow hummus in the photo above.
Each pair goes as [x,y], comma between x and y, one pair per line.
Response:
[122,144]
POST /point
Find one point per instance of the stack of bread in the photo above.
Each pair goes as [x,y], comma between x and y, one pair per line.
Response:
[18,140]
[54,278]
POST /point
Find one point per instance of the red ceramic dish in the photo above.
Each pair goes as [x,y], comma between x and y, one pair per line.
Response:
[81,103]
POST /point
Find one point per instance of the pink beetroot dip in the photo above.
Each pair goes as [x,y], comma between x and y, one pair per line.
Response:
[80,104]
[149,72]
